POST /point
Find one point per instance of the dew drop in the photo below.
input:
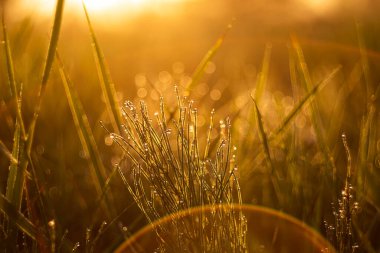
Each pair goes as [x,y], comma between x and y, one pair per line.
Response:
[51,223]
[76,246]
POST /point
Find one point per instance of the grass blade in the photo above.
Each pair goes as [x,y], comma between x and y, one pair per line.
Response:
[263,75]
[16,179]
[199,71]
[53,42]
[19,219]
[83,128]
[7,153]
[263,136]
[86,137]
[11,77]
[16,176]
[264,141]
[106,83]
[46,72]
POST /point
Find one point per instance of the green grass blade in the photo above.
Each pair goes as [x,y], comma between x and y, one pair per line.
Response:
[53,42]
[11,77]
[263,75]
[17,218]
[106,83]
[83,128]
[46,72]
[16,175]
[21,147]
[302,103]
[199,71]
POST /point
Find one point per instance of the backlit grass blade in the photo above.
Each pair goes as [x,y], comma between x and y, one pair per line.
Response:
[106,83]
[302,103]
[19,220]
[87,139]
[11,77]
[16,175]
[7,153]
[46,72]
[53,42]
[263,75]
[199,71]
[83,128]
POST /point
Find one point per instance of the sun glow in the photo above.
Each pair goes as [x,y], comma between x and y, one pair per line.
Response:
[322,6]
[101,7]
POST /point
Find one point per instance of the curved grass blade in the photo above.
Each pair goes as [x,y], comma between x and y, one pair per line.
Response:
[19,219]
[11,77]
[106,82]
[199,71]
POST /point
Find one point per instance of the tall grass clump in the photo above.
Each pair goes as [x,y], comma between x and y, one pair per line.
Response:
[166,171]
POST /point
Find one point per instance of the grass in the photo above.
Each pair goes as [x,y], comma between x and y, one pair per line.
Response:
[168,174]
[149,159]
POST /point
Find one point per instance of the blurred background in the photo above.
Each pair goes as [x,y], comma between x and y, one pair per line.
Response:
[152,45]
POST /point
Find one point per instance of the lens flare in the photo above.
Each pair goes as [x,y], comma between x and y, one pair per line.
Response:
[268,231]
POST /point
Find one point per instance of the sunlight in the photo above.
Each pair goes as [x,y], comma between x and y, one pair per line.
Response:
[101,7]
[321,6]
